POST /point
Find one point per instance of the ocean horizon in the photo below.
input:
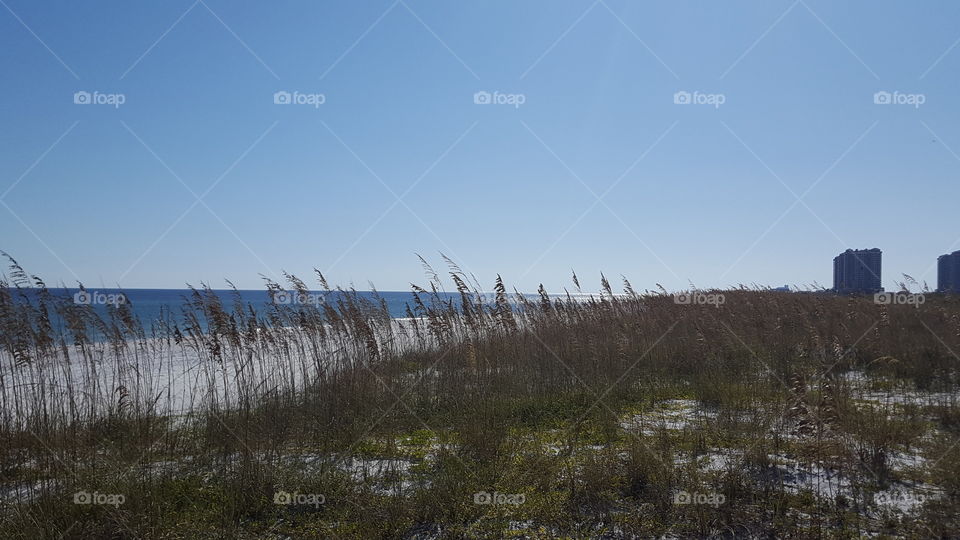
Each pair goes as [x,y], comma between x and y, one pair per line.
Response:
[153,304]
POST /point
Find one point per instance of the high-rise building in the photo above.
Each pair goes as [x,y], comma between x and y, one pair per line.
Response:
[857,271]
[948,273]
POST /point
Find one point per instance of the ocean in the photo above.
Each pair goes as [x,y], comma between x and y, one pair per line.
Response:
[149,304]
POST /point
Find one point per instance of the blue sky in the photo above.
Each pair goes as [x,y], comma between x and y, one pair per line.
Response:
[199,176]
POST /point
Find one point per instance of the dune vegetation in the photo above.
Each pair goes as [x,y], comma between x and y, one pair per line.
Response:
[494,415]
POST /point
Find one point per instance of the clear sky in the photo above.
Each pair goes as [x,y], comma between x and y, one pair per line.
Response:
[588,163]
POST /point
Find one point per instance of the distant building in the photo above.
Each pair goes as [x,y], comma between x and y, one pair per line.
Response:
[857,271]
[948,273]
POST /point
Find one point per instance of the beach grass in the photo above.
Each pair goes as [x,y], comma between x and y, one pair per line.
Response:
[735,413]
